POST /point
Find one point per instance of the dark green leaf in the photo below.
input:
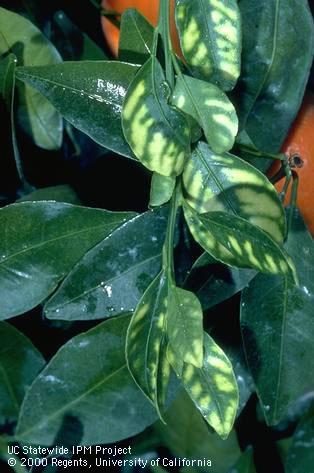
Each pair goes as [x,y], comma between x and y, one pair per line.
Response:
[136,37]
[62,193]
[227,183]
[210,38]
[156,131]
[211,108]
[236,242]
[36,114]
[7,67]
[161,190]
[186,435]
[146,343]
[20,363]
[40,242]
[278,43]
[213,388]
[89,94]
[99,397]
[301,453]
[278,330]
[72,43]
[214,282]
[185,326]
[245,464]
[112,276]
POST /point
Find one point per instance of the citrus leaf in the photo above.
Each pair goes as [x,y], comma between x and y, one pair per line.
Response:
[274,34]
[105,405]
[161,190]
[39,244]
[156,131]
[225,182]
[146,343]
[136,37]
[73,44]
[37,116]
[210,38]
[278,329]
[245,464]
[214,282]
[112,276]
[61,193]
[185,326]
[186,435]
[301,453]
[20,362]
[89,94]
[7,67]
[213,388]
[211,108]
[234,241]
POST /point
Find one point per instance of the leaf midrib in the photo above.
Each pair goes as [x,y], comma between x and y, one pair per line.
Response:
[52,240]
[108,281]
[271,63]
[70,404]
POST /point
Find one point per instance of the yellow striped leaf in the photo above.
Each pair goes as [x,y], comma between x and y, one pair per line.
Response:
[211,108]
[185,326]
[157,132]
[146,343]
[210,38]
[214,182]
[213,388]
[234,241]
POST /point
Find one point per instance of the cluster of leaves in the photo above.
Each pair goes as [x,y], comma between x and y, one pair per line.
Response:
[196,124]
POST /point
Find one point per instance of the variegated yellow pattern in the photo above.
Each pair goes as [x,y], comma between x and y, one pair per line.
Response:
[146,343]
[185,326]
[157,133]
[236,242]
[211,108]
[161,189]
[212,387]
[210,37]
[214,182]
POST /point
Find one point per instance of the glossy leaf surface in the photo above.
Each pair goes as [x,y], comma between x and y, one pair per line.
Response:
[225,182]
[278,38]
[20,363]
[214,282]
[234,241]
[278,329]
[161,189]
[213,388]
[39,244]
[105,405]
[157,132]
[136,37]
[187,436]
[146,342]
[211,108]
[37,115]
[112,276]
[210,38]
[301,453]
[185,326]
[89,94]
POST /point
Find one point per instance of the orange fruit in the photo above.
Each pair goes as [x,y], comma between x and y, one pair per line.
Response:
[299,149]
[148,8]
